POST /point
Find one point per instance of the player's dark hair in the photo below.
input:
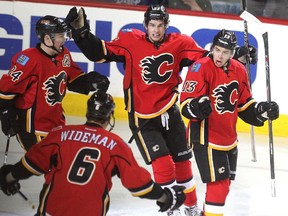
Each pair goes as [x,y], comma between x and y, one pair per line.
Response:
[226,39]
[156,12]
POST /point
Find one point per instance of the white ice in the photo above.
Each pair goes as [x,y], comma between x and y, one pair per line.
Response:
[250,193]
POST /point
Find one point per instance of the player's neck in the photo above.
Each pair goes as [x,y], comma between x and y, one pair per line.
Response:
[49,51]
[103,125]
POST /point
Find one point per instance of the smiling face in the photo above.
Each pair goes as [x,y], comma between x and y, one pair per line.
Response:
[155,30]
[221,55]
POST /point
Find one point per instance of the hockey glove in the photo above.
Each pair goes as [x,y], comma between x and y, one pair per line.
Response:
[200,107]
[265,110]
[97,81]
[242,51]
[77,22]
[175,198]
[9,122]
[8,187]
[253,54]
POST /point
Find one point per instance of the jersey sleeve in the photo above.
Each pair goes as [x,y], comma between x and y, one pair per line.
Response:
[194,84]
[118,49]
[39,159]
[92,47]
[245,90]
[134,177]
[191,51]
[246,101]
[15,82]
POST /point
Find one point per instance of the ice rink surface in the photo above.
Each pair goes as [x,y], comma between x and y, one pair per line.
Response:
[250,193]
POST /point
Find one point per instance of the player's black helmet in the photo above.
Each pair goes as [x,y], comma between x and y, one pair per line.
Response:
[156,12]
[100,106]
[226,39]
[50,25]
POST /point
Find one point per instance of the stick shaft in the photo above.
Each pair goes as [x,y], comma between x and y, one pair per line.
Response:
[253,146]
[249,17]
[246,43]
[268,89]
[7,149]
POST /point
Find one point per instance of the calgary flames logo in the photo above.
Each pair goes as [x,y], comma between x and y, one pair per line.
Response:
[55,88]
[226,97]
[155,69]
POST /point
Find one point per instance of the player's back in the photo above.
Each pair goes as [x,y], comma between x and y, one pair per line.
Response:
[80,182]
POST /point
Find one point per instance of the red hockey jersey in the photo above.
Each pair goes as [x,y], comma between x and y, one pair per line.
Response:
[152,74]
[78,162]
[229,92]
[35,78]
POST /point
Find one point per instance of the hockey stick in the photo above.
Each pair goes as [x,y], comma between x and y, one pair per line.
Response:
[268,89]
[249,17]
[5,162]
[6,150]
[246,43]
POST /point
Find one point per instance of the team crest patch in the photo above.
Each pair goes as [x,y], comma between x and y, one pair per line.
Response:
[195,67]
[22,59]
[66,61]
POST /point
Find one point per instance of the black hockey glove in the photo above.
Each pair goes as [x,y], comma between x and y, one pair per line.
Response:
[97,81]
[242,51]
[175,198]
[200,107]
[8,188]
[205,5]
[253,54]
[77,22]
[9,122]
[265,110]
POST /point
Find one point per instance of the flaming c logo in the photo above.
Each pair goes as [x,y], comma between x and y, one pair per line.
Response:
[55,88]
[155,69]
[226,97]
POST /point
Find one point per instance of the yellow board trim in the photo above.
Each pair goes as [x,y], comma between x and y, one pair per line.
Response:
[75,105]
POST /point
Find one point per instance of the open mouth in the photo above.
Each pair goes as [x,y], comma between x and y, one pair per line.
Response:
[218,63]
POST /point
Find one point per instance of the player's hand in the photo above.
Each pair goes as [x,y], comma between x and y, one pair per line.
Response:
[200,107]
[175,197]
[77,22]
[265,110]
[9,122]
[253,54]
[98,82]
[71,17]
[8,187]
[242,51]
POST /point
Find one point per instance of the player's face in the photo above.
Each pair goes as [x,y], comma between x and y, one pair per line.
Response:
[221,55]
[59,40]
[156,30]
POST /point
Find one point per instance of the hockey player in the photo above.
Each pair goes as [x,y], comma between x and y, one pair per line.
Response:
[215,92]
[80,161]
[31,93]
[153,61]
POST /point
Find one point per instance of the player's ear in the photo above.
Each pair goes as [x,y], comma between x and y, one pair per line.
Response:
[48,40]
